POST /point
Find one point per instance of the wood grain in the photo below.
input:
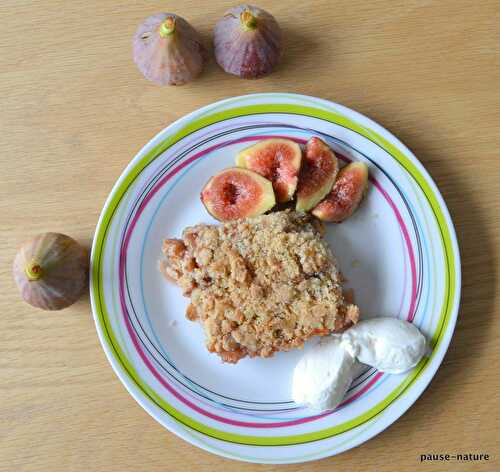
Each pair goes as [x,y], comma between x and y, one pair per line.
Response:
[74,110]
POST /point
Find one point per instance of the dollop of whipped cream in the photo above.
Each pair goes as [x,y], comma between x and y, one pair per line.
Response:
[390,345]
[323,375]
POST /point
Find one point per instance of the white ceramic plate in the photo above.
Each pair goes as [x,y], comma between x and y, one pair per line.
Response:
[398,252]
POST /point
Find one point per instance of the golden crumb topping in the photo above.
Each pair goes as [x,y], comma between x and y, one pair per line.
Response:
[259,285]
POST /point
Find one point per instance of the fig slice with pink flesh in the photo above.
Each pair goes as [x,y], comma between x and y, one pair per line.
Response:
[346,194]
[317,176]
[275,159]
[236,193]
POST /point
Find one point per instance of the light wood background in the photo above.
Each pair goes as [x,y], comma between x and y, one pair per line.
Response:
[74,110]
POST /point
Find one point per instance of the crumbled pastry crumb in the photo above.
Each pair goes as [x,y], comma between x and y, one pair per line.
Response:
[349,295]
[259,285]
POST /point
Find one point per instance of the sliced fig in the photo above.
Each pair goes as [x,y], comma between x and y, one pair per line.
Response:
[237,193]
[317,176]
[277,160]
[247,42]
[346,194]
[168,50]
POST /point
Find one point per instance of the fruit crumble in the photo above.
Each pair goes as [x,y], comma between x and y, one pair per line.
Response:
[259,285]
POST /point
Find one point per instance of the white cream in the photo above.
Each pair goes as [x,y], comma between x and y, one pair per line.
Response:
[323,375]
[388,344]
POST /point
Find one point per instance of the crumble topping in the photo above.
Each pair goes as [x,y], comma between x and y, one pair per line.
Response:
[259,285]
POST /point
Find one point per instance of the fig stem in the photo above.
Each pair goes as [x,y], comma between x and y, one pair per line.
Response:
[33,271]
[167,27]
[248,21]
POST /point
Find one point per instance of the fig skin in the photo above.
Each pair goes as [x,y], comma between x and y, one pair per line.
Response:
[248,42]
[51,271]
[317,176]
[346,195]
[276,159]
[236,193]
[168,50]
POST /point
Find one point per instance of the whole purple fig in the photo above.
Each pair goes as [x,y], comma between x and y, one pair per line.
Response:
[168,50]
[247,42]
[51,271]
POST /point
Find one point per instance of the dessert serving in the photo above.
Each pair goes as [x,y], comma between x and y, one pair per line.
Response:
[265,281]
[259,285]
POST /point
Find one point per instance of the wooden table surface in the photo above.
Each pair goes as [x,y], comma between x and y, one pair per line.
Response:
[73,112]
